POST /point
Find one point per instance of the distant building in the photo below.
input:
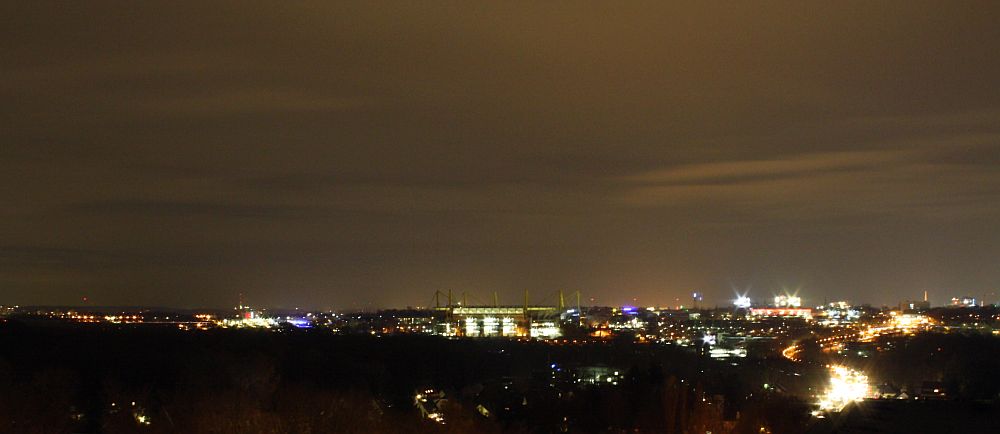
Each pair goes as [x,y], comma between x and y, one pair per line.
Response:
[963,302]
[932,390]
[837,313]
[507,321]
[500,321]
[918,306]
[769,312]
[886,391]
[914,305]
[696,299]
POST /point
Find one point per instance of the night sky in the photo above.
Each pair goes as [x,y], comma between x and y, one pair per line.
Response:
[365,154]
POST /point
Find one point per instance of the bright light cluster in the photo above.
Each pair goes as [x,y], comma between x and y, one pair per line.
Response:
[257,322]
[837,313]
[782,312]
[723,353]
[742,302]
[490,326]
[429,405]
[908,321]
[787,301]
[471,327]
[545,330]
[846,386]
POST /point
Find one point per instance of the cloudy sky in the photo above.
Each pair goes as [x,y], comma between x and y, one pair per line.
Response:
[362,154]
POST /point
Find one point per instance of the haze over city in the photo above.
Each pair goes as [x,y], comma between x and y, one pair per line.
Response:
[455,217]
[367,154]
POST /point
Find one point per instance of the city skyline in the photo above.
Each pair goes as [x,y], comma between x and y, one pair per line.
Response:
[739,300]
[355,155]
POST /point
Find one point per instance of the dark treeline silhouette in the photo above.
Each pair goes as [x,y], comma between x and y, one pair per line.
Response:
[966,364]
[122,379]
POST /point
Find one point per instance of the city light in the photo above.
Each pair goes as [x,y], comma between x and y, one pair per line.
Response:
[545,330]
[742,302]
[782,312]
[500,217]
[255,322]
[909,321]
[791,353]
[708,339]
[787,301]
[846,386]
[471,327]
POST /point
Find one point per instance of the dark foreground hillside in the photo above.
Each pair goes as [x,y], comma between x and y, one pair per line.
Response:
[61,378]
[102,379]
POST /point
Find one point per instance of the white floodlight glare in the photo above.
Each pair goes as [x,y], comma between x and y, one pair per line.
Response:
[846,386]
[742,302]
[708,339]
[787,301]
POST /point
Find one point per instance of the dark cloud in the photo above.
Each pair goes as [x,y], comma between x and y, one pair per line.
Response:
[338,154]
[181,209]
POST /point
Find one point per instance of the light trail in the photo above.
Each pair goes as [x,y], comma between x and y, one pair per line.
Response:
[898,324]
[790,352]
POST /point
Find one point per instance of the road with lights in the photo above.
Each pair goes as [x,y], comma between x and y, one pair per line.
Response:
[847,385]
